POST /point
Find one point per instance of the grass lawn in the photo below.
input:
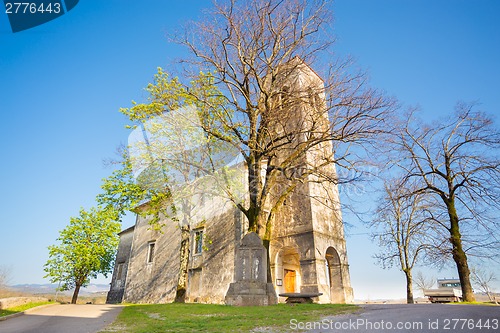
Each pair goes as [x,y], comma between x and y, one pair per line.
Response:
[21,308]
[474,303]
[180,318]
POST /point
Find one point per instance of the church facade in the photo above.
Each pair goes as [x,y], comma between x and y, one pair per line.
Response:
[307,250]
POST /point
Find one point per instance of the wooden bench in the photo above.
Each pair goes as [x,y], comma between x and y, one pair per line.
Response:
[300,297]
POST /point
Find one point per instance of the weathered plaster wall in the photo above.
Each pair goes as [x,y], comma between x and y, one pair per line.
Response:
[210,272]
[115,294]
[153,282]
[213,270]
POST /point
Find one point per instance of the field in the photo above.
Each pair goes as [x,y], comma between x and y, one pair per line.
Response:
[219,318]
[96,298]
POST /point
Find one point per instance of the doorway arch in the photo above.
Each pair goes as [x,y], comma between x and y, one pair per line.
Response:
[334,275]
[287,271]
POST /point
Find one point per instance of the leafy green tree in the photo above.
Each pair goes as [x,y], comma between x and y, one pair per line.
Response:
[122,192]
[169,159]
[87,248]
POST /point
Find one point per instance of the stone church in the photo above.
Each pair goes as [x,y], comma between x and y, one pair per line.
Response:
[307,250]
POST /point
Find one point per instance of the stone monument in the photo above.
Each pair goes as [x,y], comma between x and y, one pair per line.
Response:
[250,286]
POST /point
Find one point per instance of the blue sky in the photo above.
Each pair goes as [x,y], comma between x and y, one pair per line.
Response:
[62,83]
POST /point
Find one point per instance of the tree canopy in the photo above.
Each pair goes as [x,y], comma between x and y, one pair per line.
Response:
[87,247]
[260,54]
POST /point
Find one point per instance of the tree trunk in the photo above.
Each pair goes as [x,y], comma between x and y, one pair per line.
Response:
[459,255]
[492,297]
[265,235]
[253,188]
[180,295]
[75,294]
[267,244]
[409,287]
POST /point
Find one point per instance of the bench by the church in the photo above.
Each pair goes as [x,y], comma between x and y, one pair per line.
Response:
[300,297]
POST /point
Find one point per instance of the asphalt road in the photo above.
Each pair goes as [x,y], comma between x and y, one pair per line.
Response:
[63,319]
[432,318]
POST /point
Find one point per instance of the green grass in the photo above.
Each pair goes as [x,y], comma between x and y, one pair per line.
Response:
[219,318]
[21,308]
[474,303]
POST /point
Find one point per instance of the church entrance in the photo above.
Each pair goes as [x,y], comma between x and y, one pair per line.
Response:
[289,281]
[286,271]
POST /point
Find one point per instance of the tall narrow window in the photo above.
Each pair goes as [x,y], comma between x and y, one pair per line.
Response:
[151,251]
[198,241]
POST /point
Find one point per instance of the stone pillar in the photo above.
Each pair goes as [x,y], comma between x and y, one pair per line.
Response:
[250,286]
[309,276]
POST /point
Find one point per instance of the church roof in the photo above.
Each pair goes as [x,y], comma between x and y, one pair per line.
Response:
[126,230]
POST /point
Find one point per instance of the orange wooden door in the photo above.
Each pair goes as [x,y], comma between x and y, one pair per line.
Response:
[289,281]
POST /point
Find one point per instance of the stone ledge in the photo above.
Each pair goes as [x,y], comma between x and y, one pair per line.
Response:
[300,297]
[301,294]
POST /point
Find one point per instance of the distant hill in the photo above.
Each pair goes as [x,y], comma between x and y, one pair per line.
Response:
[35,289]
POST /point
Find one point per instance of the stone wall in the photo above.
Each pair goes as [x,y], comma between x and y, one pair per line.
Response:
[308,237]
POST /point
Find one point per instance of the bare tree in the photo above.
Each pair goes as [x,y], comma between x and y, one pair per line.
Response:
[456,162]
[422,282]
[278,113]
[4,276]
[483,281]
[402,228]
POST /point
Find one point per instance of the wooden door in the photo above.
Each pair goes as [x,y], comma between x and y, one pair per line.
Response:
[289,281]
